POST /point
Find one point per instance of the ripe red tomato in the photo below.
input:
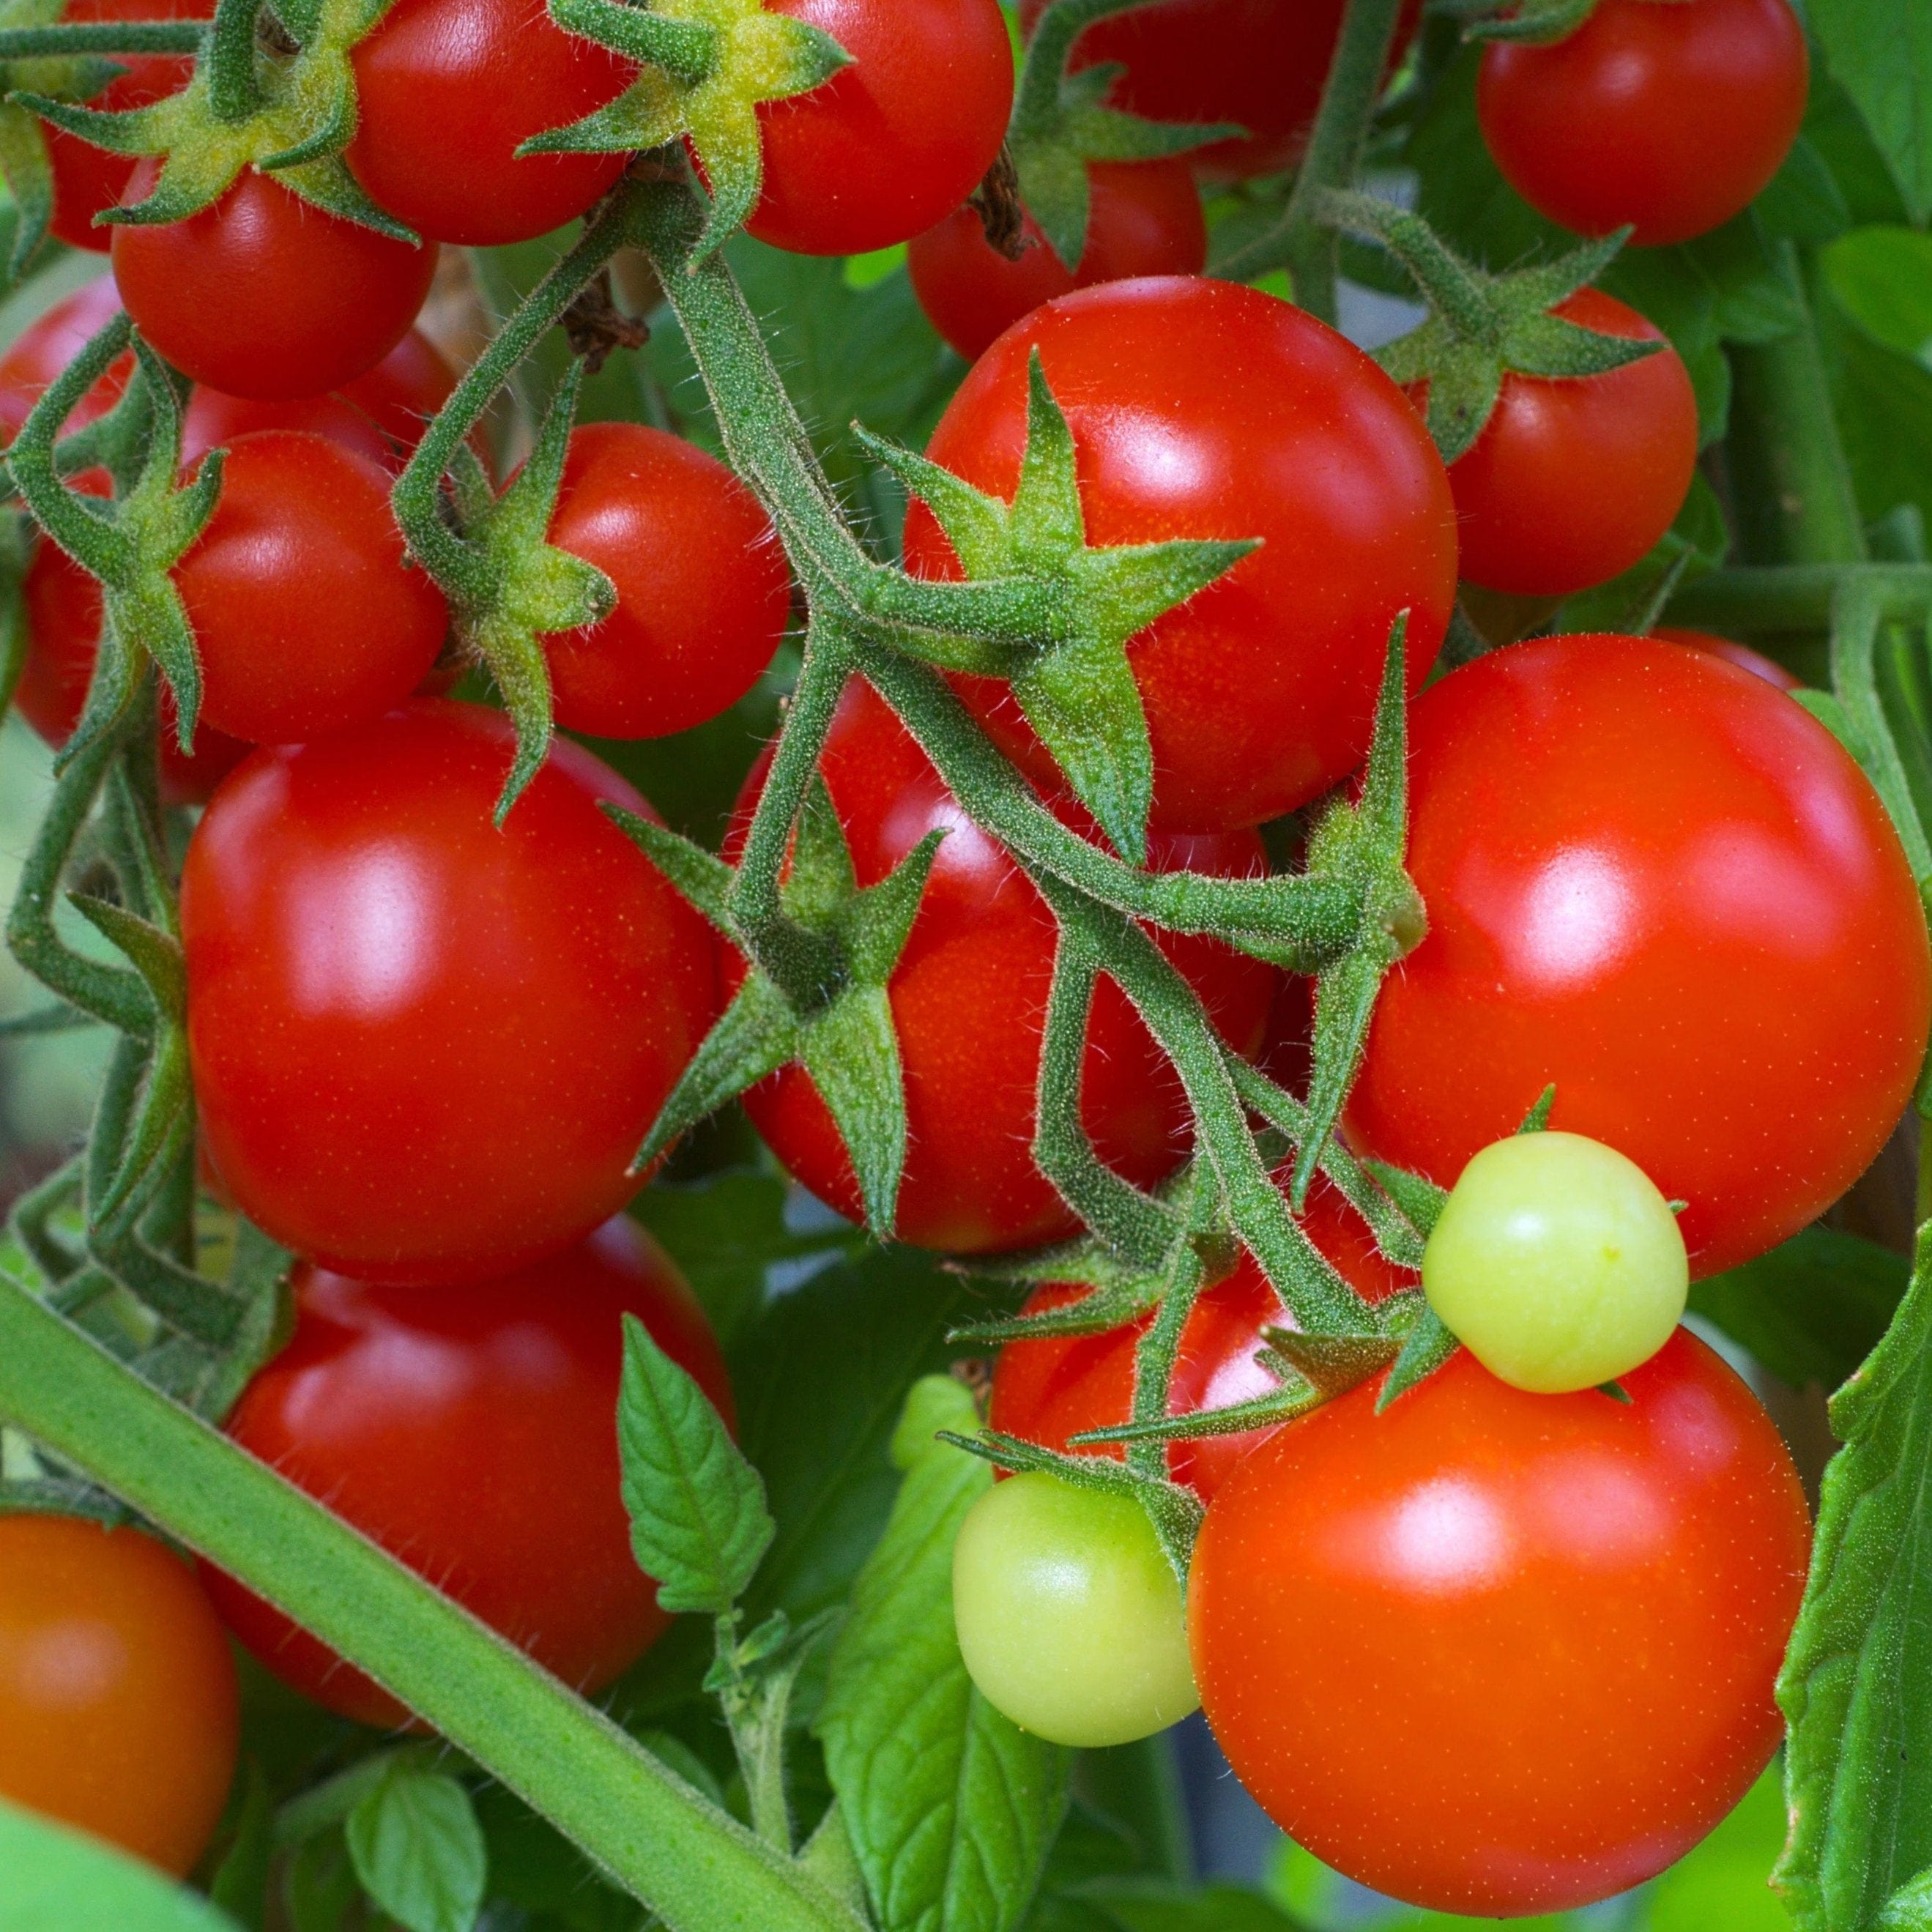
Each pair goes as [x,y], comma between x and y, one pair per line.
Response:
[1573,479]
[1533,1637]
[898,138]
[969,1000]
[1259,64]
[1201,409]
[1046,1390]
[424,1048]
[88,179]
[1144,218]
[307,617]
[703,590]
[1670,118]
[471,1432]
[1742,656]
[63,608]
[264,295]
[117,1700]
[1654,880]
[405,389]
[448,90]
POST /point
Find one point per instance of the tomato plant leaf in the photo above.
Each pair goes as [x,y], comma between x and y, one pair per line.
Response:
[1856,1688]
[1810,1310]
[419,1849]
[1882,54]
[58,1877]
[698,1520]
[1152,1905]
[950,1806]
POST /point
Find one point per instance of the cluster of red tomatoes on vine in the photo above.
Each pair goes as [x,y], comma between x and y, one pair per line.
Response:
[1509,1644]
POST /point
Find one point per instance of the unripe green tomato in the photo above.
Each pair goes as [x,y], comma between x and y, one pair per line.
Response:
[1069,1616]
[1556,1263]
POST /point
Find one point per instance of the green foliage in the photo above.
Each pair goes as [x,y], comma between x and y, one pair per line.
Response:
[1856,1688]
[50,1877]
[418,1848]
[1813,1309]
[1882,54]
[698,1520]
[951,1808]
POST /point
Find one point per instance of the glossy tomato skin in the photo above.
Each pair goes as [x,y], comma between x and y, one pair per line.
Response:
[426,1049]
[703,591]
[63,608]
[1534,1637]
[969,1000]
[1259,64]
[1668,118]
[88,179]
[1654,880]
[1573,479]
[896,139]
[1731,652]
[1203,409]
[265,296]
[449,89]
[1060,1386]
[119,1705]
[470,1432]
[1144,218]
[306,615]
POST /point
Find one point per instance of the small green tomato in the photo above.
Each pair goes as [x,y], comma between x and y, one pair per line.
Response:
[1556,1263]
[1069,1616]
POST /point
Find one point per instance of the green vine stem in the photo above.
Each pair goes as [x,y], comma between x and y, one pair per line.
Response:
[657,1836]
[68,38]
[1297,241]
[1767,600]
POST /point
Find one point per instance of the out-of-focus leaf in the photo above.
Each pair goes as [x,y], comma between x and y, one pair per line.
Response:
[419,1849]
[1883,279]
[52,1880]
[1726,1880]
[1883,401]
[1881,53]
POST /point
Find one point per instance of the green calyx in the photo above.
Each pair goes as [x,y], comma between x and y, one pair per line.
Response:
[509,587]
[1059,124]
[709,65]
[1533,22]
[1482,327]
[252,103]
[814,992]
[132,543]
[1078,690]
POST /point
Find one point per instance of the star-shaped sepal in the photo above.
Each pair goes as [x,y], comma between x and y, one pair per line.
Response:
[1074,682]
[1538,22]
[709,65]
[837,1024]
[248,105]
[1482,327]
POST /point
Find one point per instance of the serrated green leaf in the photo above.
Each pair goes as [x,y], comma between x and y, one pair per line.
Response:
[1856,1688]
[950,1806]
[699,1525]
[418,1850]
[58,1878]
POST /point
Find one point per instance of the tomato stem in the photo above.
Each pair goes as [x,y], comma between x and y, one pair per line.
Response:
[69,37]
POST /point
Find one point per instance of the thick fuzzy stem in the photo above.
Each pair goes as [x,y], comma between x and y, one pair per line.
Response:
[65,39]
[665,1842]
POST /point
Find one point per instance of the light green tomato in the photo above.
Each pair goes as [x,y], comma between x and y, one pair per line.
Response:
[1556,1263]
[1069,1616]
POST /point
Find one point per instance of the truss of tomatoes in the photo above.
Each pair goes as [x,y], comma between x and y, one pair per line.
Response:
[426,1050]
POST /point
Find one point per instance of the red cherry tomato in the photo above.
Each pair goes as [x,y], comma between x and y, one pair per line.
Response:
[983,945]
[426,1049]
[88,179]
[1656,882]
[898,138]
[702,588]
[1045,1391]
[1144,218]
[264,295]
[448,90]
[471,1431]
[306,614]
[48,344]
[1259,63]
[118,1700]
[405,389]
[1731,652]
[1533,1638]
[1573,479]
[63,608]
[1201,409]
[1667,118]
